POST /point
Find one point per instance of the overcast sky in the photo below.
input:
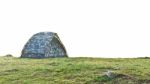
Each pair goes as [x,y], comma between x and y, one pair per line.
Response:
[96,28]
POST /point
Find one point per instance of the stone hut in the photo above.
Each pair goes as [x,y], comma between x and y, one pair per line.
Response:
[44,45]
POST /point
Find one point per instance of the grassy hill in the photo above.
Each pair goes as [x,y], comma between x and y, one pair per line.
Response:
[74,71]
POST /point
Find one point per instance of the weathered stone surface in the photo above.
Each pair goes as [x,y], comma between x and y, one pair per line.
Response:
[43,45]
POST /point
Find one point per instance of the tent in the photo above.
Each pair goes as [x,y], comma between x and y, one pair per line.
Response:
[44,45]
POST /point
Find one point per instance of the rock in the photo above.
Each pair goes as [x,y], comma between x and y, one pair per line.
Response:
[110,74]
[8,55]
[44,45]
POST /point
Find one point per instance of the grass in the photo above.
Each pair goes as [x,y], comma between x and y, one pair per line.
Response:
[73,71]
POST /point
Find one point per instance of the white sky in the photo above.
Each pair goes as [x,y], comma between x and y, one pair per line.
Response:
[96,28]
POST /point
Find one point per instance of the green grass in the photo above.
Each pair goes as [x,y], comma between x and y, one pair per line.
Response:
[73,71]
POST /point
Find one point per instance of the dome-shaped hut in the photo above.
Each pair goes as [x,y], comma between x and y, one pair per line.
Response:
[44,45]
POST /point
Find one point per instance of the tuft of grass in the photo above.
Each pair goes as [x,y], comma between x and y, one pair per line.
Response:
[73,70]
[102,79]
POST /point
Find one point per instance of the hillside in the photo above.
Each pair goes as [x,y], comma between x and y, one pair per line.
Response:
[74,71]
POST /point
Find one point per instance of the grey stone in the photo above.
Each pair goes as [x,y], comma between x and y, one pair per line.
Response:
[110,74]
[44,45]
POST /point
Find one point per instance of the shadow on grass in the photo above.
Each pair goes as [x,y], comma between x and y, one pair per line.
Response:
[119,79]
[105,78]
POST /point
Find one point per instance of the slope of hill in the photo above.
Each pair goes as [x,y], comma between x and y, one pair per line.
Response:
[74,71]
